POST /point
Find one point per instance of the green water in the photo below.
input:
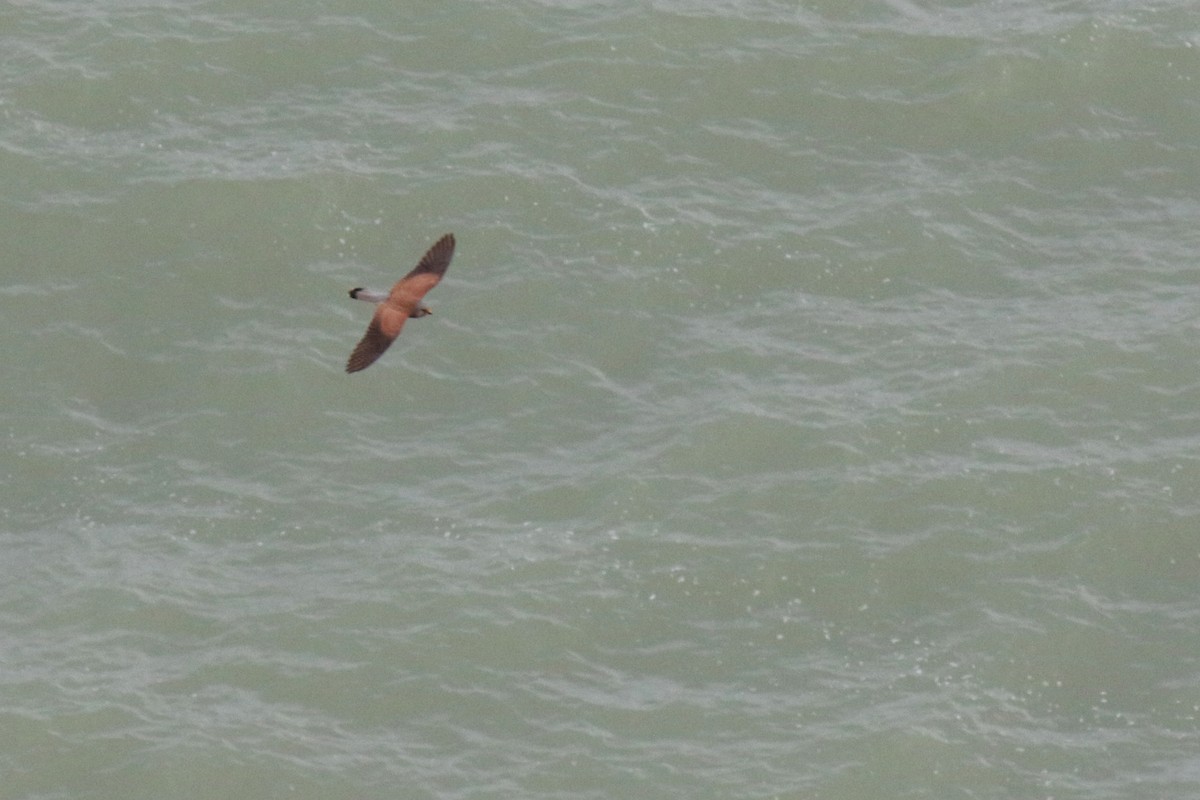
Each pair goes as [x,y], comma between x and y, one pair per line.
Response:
[809,410]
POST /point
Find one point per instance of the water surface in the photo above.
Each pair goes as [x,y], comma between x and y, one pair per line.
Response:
[809,411]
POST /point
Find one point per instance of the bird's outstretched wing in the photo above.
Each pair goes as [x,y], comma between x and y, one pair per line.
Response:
[409,290]
[384,328]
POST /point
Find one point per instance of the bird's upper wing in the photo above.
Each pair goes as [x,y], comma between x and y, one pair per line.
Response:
[384,328]
[409,290]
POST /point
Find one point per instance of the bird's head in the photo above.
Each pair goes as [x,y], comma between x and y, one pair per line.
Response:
[421,311]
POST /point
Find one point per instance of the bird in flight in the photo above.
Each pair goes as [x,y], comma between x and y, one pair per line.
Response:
[402,302]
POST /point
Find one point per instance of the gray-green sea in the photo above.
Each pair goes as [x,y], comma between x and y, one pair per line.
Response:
[811,409]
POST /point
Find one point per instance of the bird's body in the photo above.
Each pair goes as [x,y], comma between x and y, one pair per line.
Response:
[402,302]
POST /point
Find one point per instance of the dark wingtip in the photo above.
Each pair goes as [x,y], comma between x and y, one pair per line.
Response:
[354,292]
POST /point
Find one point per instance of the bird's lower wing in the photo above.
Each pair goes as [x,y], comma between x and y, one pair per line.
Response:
[373,343]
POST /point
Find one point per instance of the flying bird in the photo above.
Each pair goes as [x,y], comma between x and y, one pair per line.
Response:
[402,302]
